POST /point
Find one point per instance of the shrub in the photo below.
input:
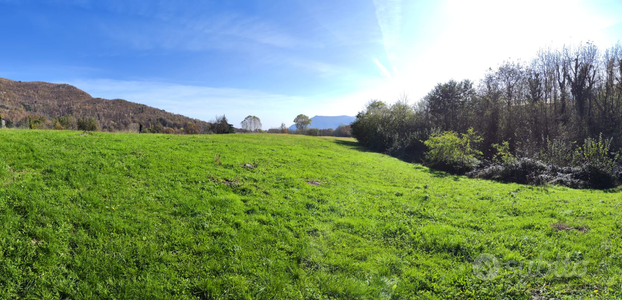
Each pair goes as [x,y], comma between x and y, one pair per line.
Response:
[530,171]
[595,153]
[503,153]
[597,177]
[598,165]
[522,170]
[343,131]
[191,128]
[312,132]
[395,129]
[557,152]
[88,124]
[453,153]
[36,122]
[67,122]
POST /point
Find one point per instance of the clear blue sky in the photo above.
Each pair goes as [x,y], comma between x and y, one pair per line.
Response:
[278,58]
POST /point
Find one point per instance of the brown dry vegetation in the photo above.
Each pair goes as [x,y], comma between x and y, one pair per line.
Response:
[21,102]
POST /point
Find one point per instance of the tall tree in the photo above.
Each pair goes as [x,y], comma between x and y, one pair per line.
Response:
[447,102]
[302,123]
[251,123]
[221,125]
[582,78]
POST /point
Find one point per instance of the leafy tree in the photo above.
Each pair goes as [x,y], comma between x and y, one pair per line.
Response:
[302,123]
[447,102]
[396,129]
[313,132]
[221,126]
[343,131]
[190,128]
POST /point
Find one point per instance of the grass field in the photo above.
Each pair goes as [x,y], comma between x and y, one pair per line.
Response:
[285,217]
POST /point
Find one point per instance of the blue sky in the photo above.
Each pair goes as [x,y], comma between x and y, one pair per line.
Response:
[276,59]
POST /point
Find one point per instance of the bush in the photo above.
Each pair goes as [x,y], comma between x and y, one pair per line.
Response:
[522,170]
[67,122]
[88,124]
[36,122]
[534,172]
[395,129]
[596,154]
[190,128]
[557,152]
[598,165]
[452,153]
[503,153]
[597,177]
[343,131]
[312,132]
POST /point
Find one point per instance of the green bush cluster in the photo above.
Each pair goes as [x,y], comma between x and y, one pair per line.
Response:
[452,152]
[88,124]
[395,129]
[389,129]
[545,110]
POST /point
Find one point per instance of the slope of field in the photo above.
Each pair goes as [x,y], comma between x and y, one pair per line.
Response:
[284,217]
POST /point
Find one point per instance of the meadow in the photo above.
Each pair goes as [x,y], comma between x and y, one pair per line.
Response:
[258,216]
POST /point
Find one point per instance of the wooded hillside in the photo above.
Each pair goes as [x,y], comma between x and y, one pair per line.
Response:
[63,106]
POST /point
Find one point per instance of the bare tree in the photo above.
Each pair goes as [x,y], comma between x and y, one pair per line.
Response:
[251,123]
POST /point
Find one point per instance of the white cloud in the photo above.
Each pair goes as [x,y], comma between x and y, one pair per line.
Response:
[383,69]
[323,69]
[223,32]
[389,14]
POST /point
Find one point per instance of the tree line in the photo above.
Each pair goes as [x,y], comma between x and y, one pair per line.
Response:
[302,123]
[544,109]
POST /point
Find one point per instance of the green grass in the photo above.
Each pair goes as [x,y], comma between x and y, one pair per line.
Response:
[159,216]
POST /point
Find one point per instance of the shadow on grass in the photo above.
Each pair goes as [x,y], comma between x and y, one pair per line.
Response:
[353,145]
[614,190]
[443,174]
[436,173]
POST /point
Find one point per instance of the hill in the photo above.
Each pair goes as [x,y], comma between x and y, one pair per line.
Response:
[22,101]
[326,122]
[125,216]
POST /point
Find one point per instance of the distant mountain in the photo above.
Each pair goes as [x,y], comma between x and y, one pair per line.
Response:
[23,101]
[326,122]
